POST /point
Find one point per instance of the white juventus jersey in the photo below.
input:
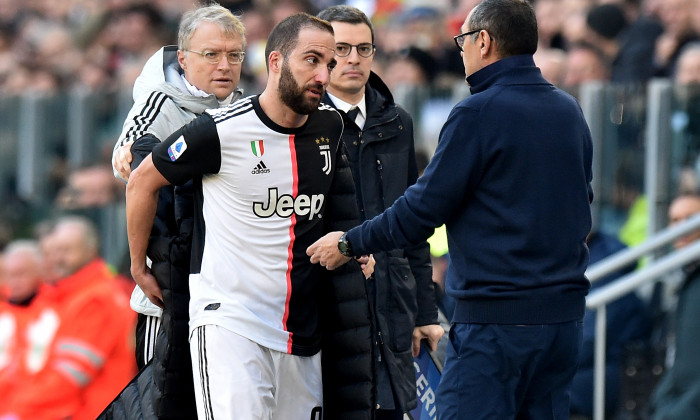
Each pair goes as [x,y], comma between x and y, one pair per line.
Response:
[262,195]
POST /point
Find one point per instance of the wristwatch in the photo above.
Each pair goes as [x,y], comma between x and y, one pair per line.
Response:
[344,245]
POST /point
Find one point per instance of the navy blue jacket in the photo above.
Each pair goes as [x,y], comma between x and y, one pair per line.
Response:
[511,180]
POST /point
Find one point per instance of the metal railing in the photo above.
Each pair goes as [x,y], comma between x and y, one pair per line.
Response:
[600,298]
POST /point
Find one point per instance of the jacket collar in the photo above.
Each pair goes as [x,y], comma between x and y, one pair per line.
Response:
[509,68]
[93,272]
[377,96]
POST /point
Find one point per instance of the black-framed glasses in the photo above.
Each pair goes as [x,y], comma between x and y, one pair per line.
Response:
[214,57]
[364,49]
[459,39]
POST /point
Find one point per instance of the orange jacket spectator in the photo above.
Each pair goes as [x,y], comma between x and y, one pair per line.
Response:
[91,358]
[17,360]
[22,351]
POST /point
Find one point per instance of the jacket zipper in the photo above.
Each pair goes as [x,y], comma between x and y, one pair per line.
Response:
[380,169]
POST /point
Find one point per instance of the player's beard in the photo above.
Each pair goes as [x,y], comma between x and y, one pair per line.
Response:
[293,95]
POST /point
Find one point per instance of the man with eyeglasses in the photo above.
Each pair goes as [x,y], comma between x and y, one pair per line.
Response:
[176,84]
[378,135]
[511,180]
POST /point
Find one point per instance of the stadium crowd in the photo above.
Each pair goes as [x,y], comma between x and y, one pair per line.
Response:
[48,48]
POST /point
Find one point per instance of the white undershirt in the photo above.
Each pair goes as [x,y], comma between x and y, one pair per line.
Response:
[345,107]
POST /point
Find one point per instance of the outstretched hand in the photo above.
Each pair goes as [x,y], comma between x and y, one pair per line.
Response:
[325,251]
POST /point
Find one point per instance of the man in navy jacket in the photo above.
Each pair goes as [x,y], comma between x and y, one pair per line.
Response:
[511,180]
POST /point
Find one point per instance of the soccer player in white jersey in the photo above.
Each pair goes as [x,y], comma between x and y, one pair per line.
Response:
[270,176]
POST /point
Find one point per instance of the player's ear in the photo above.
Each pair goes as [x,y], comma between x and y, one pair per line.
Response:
[275,61]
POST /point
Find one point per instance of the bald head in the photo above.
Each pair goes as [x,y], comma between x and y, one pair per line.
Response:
[682,208]
[688,67]
[74,243]
[22,270]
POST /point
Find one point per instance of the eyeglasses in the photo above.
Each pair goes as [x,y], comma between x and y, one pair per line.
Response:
[343,49]
[214,57]
[459,39]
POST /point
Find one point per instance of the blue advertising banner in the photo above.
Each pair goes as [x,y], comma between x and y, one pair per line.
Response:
[427,379]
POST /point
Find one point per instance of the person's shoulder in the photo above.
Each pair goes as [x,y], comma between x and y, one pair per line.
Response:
[471,105]
[327,114]
[403,113]
[238,107]
[324,107]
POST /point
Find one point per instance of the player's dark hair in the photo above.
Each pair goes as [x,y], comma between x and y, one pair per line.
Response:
[285,35]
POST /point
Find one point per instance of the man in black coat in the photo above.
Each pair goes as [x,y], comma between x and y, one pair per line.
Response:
[378,135]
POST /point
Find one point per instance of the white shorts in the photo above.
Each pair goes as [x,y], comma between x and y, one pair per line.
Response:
[235,378]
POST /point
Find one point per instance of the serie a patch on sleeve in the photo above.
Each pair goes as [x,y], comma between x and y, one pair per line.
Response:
[177,149]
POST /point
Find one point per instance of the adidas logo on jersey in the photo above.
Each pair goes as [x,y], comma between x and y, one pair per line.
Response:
[260,168]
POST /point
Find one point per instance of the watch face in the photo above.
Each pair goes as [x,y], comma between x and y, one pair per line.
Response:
[343,246]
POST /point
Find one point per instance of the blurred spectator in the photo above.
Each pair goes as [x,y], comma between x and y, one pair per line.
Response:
[687,181]
[424,28]
[457,14]
[585,63]
[675,16]
[49,250]
[23,80]
[20,269]
[410,66]
[685,118]
[89,187]
[552,64]
[628,197]
[688,68]
[549,24]
[677,395]
[440,260]
[84,368]
[606,22]
[258,24]
[284,8]
[633,63]
[627,322]
[137,31]
[574,28]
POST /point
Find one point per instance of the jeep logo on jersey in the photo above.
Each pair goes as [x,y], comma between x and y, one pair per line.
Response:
[257,147]
[286,205]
